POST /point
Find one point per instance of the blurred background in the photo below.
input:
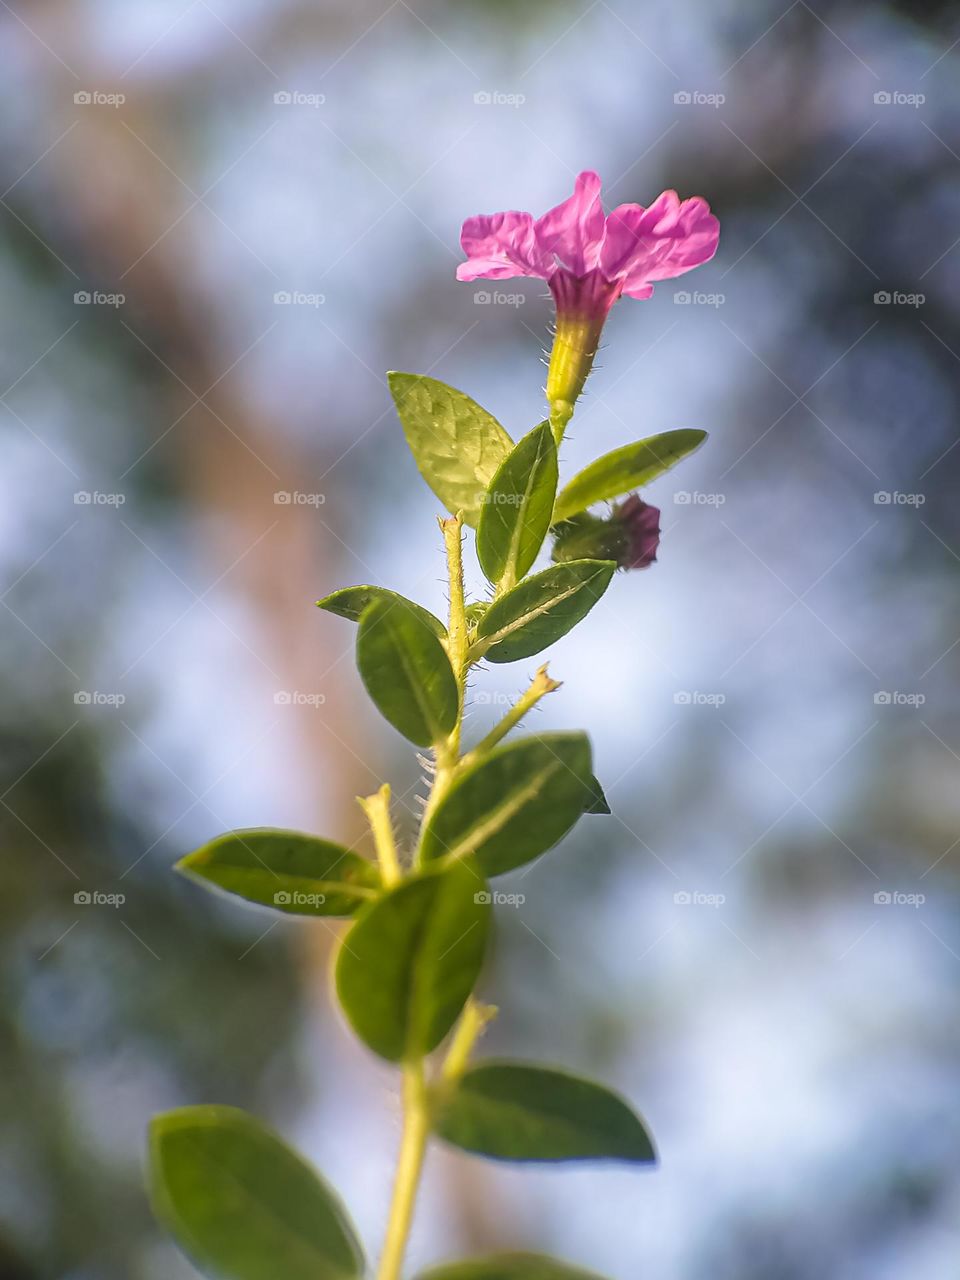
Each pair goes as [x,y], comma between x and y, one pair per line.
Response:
[219,224]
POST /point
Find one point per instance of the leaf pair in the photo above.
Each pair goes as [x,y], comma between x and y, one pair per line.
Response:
[461,451]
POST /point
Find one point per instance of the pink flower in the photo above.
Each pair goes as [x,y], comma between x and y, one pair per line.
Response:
[589,259]
[640,523]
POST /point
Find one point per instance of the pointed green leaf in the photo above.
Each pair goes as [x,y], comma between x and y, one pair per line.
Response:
[541,610]
[508,1266]
[630,467]
[299,874]
[350,602]
[412,958]
[512,1111]
[457,445]
[406,672]
[244,1206]
[598,803]
[513,804]
[517,507]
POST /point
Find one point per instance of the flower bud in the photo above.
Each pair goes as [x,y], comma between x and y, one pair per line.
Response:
[630,535]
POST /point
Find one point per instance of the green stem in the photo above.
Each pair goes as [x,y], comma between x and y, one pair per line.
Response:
[416,1108]
[413,1145]
[539,687]
[377,809]
[472,1022]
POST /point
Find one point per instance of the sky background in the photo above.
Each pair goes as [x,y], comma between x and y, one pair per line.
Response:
[773,706]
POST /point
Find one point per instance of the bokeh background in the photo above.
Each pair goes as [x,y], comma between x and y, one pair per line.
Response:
[774,705]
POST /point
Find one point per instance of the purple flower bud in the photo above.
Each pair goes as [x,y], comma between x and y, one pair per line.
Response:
[641,526]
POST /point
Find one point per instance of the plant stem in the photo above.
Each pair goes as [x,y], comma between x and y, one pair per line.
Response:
[416,1107]
[377,809]
[539,687]
[473,1020]
[413,1145]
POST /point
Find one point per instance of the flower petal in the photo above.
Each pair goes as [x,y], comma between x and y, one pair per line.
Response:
[660,242]
[500,245]
[573,231]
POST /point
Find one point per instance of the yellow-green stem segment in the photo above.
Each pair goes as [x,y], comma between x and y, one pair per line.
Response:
[413,1146]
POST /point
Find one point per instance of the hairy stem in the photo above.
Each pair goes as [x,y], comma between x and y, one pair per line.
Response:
[377,809]
[539,687]
[472,1022]
[416,1111]
[413,1145]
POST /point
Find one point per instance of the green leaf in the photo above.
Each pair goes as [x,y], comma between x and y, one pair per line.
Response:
[508,1266]
[407,965]
[513,804]
[630,467]
[299,874]
[511,1111]
[243,1205]
[541,609]
[406,672]
[350,602]
[598,803]
[457,445]
[517,507]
